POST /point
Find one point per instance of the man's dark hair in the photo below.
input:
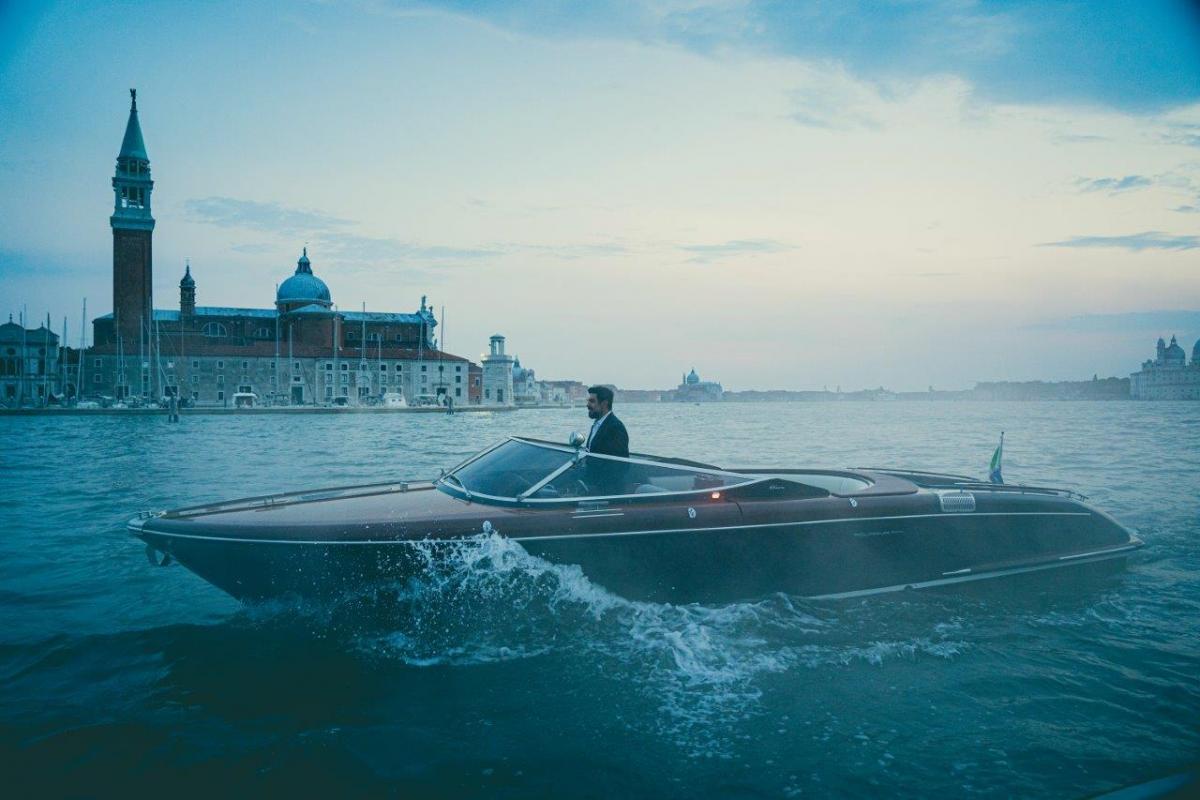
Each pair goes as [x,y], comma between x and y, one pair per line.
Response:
[603,394]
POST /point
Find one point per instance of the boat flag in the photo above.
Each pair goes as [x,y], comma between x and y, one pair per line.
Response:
[994,475]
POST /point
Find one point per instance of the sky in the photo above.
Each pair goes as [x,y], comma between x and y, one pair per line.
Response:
[781,195]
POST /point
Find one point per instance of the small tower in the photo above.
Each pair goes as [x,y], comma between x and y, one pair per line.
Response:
[497,374]
[132,228]
[187,294]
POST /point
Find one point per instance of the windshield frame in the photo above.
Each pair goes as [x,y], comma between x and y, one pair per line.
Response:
[574,456]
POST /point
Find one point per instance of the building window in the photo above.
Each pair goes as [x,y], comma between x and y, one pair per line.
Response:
[345,366]
[345,391]
[220,395]
[195,379]
[220,365]
[345,377]
[195,364]
[399,367]
[245,366]
[296,366]
[96,363]
[458,392]
[295,379]
[262,333]
[423,368]
[245,388]
[458,378]
[383,367]
[220,380]
[215,329]
[487,393]
[96,378]
[458,368]
[329,391]
[328,365]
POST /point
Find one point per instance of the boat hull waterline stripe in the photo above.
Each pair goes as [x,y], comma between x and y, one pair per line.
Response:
[1061,561]
[138,529]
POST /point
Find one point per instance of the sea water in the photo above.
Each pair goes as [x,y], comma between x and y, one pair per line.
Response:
[507,676]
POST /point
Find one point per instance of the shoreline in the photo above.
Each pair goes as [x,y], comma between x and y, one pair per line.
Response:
[150,412]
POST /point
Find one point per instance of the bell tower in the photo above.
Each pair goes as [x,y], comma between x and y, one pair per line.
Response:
[132,228]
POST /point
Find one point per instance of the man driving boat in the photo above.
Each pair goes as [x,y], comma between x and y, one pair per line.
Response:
[608,436]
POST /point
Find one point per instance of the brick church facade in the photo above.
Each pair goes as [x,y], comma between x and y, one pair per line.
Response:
[301,351]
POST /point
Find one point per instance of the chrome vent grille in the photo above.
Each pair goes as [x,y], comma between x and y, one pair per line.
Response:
[957,502]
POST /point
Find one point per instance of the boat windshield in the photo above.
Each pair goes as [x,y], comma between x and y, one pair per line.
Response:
[603,477]
[508,470]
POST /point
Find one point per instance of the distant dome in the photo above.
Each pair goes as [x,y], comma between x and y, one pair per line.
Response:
[1196,352]
[1174,351]
[692,377]
[188,282]
[303,287]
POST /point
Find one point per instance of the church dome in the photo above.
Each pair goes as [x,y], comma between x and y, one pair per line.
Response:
[1196,352]
[692,377]
[1174,352]
[303,287]
[188,282]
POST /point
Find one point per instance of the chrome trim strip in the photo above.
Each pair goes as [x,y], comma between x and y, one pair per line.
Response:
[594,515]
[978,576]
[958,571]
[799,522]
[620,533]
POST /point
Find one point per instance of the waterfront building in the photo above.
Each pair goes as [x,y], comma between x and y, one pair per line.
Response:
[497,374]
[526,387]
[693,389]
[302,350]
[1168,376]
[30,370]
[563,393]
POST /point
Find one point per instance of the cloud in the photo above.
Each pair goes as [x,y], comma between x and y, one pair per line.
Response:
[1043,52]
[325,231]
[229,212]
[574,251]
[707,253]
[1187,209]
[1113,185]
[1126,322]
[832,108]
[354,247]
[1147,240]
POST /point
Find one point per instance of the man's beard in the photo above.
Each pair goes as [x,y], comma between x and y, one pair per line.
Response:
[594,414]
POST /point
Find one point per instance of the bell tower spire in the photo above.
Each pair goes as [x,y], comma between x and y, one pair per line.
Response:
[132,227]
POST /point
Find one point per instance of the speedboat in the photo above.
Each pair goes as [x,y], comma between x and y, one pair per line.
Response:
[644,527]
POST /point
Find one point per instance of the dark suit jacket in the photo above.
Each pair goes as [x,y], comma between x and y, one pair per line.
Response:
[605,477]
[612,439]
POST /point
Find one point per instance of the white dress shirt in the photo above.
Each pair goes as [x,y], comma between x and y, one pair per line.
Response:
[595,427]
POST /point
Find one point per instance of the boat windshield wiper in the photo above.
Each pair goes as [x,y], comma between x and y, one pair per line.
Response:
[459,483]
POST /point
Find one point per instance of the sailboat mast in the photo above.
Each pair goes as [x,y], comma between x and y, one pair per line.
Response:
[62,361]
[82,348]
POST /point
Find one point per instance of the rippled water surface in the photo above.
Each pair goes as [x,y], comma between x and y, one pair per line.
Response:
[509,676]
